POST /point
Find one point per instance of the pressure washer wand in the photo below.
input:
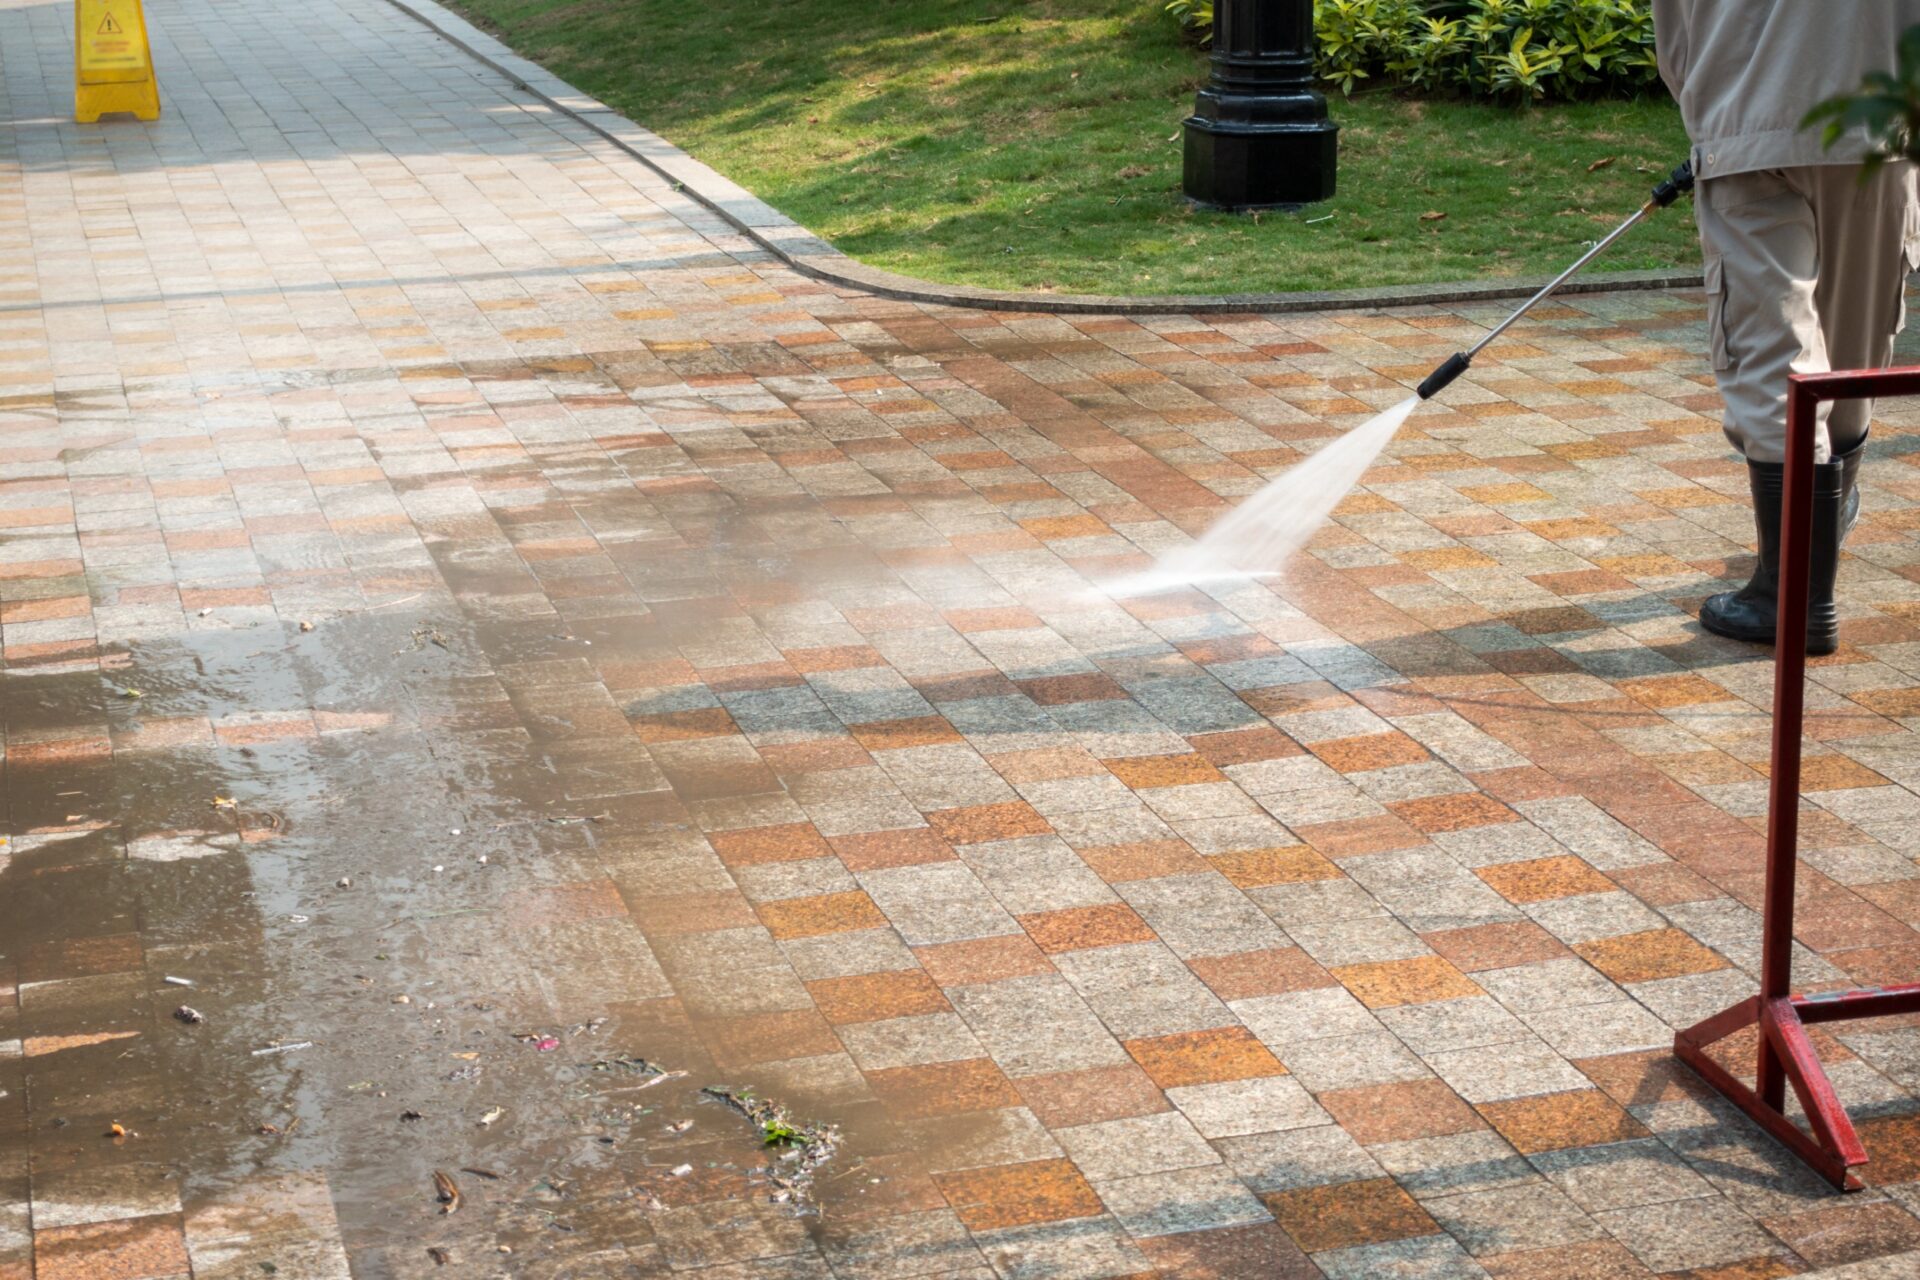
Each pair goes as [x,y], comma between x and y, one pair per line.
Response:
[1678,182]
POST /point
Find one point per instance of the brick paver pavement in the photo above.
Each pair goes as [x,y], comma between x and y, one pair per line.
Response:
[463,609]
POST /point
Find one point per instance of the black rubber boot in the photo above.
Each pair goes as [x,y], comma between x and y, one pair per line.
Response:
[1850,486]
[1830,495]
[1749,613]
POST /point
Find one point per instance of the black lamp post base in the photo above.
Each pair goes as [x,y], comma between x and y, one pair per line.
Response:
[1277,166]
[1259,137]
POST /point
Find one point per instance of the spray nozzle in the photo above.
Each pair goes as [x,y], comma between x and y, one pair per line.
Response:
[1438,380]
[1678,183]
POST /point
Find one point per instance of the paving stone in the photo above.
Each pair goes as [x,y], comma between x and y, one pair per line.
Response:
[1700,1232]
[742,623]
[1302,1157]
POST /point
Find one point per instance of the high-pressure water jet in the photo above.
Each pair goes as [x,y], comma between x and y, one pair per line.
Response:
[1255,539]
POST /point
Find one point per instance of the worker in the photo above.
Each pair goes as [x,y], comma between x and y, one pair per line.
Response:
[1806,255]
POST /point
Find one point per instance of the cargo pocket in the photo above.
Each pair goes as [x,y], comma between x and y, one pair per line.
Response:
[1716,289]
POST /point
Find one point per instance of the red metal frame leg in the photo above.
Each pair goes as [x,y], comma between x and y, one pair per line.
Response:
[1834,1148]
[1786,1054]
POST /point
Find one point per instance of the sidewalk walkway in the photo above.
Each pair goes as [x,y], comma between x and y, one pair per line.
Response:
[505,643]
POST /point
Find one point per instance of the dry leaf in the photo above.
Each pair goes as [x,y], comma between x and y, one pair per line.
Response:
[446,1192]
[1601,163]
[1432,215]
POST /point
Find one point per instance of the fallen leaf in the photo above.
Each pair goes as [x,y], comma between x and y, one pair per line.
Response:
[493,1113]
[445,1192]
[1432,215]
[116,1130]
[1601,163]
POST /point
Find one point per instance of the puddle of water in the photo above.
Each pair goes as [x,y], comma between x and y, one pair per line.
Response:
[247,902]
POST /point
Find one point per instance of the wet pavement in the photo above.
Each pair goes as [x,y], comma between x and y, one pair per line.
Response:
[528,661]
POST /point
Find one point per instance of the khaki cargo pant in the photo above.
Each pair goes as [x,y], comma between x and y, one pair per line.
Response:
[1806,271]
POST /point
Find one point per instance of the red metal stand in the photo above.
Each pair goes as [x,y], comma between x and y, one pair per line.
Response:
[1786,1051]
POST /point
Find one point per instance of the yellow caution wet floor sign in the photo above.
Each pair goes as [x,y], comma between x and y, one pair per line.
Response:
[112,62]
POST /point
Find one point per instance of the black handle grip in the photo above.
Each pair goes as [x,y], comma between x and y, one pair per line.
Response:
[1437,381]
[1678,183]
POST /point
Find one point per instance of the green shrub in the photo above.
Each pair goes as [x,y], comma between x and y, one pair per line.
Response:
[1514,50]
[1196,15]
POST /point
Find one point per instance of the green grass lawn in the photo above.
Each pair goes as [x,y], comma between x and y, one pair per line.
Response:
[1034,144]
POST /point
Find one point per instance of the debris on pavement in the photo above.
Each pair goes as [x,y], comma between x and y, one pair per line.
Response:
[492,1114]
[445,1191]
[281,1048]
[172,981]
[490,1175]
[190,1015]
[653,1074]
[803,1147]
[441,1257]
[424,636]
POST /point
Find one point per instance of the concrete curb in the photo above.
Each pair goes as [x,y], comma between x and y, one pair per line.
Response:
[813,257]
